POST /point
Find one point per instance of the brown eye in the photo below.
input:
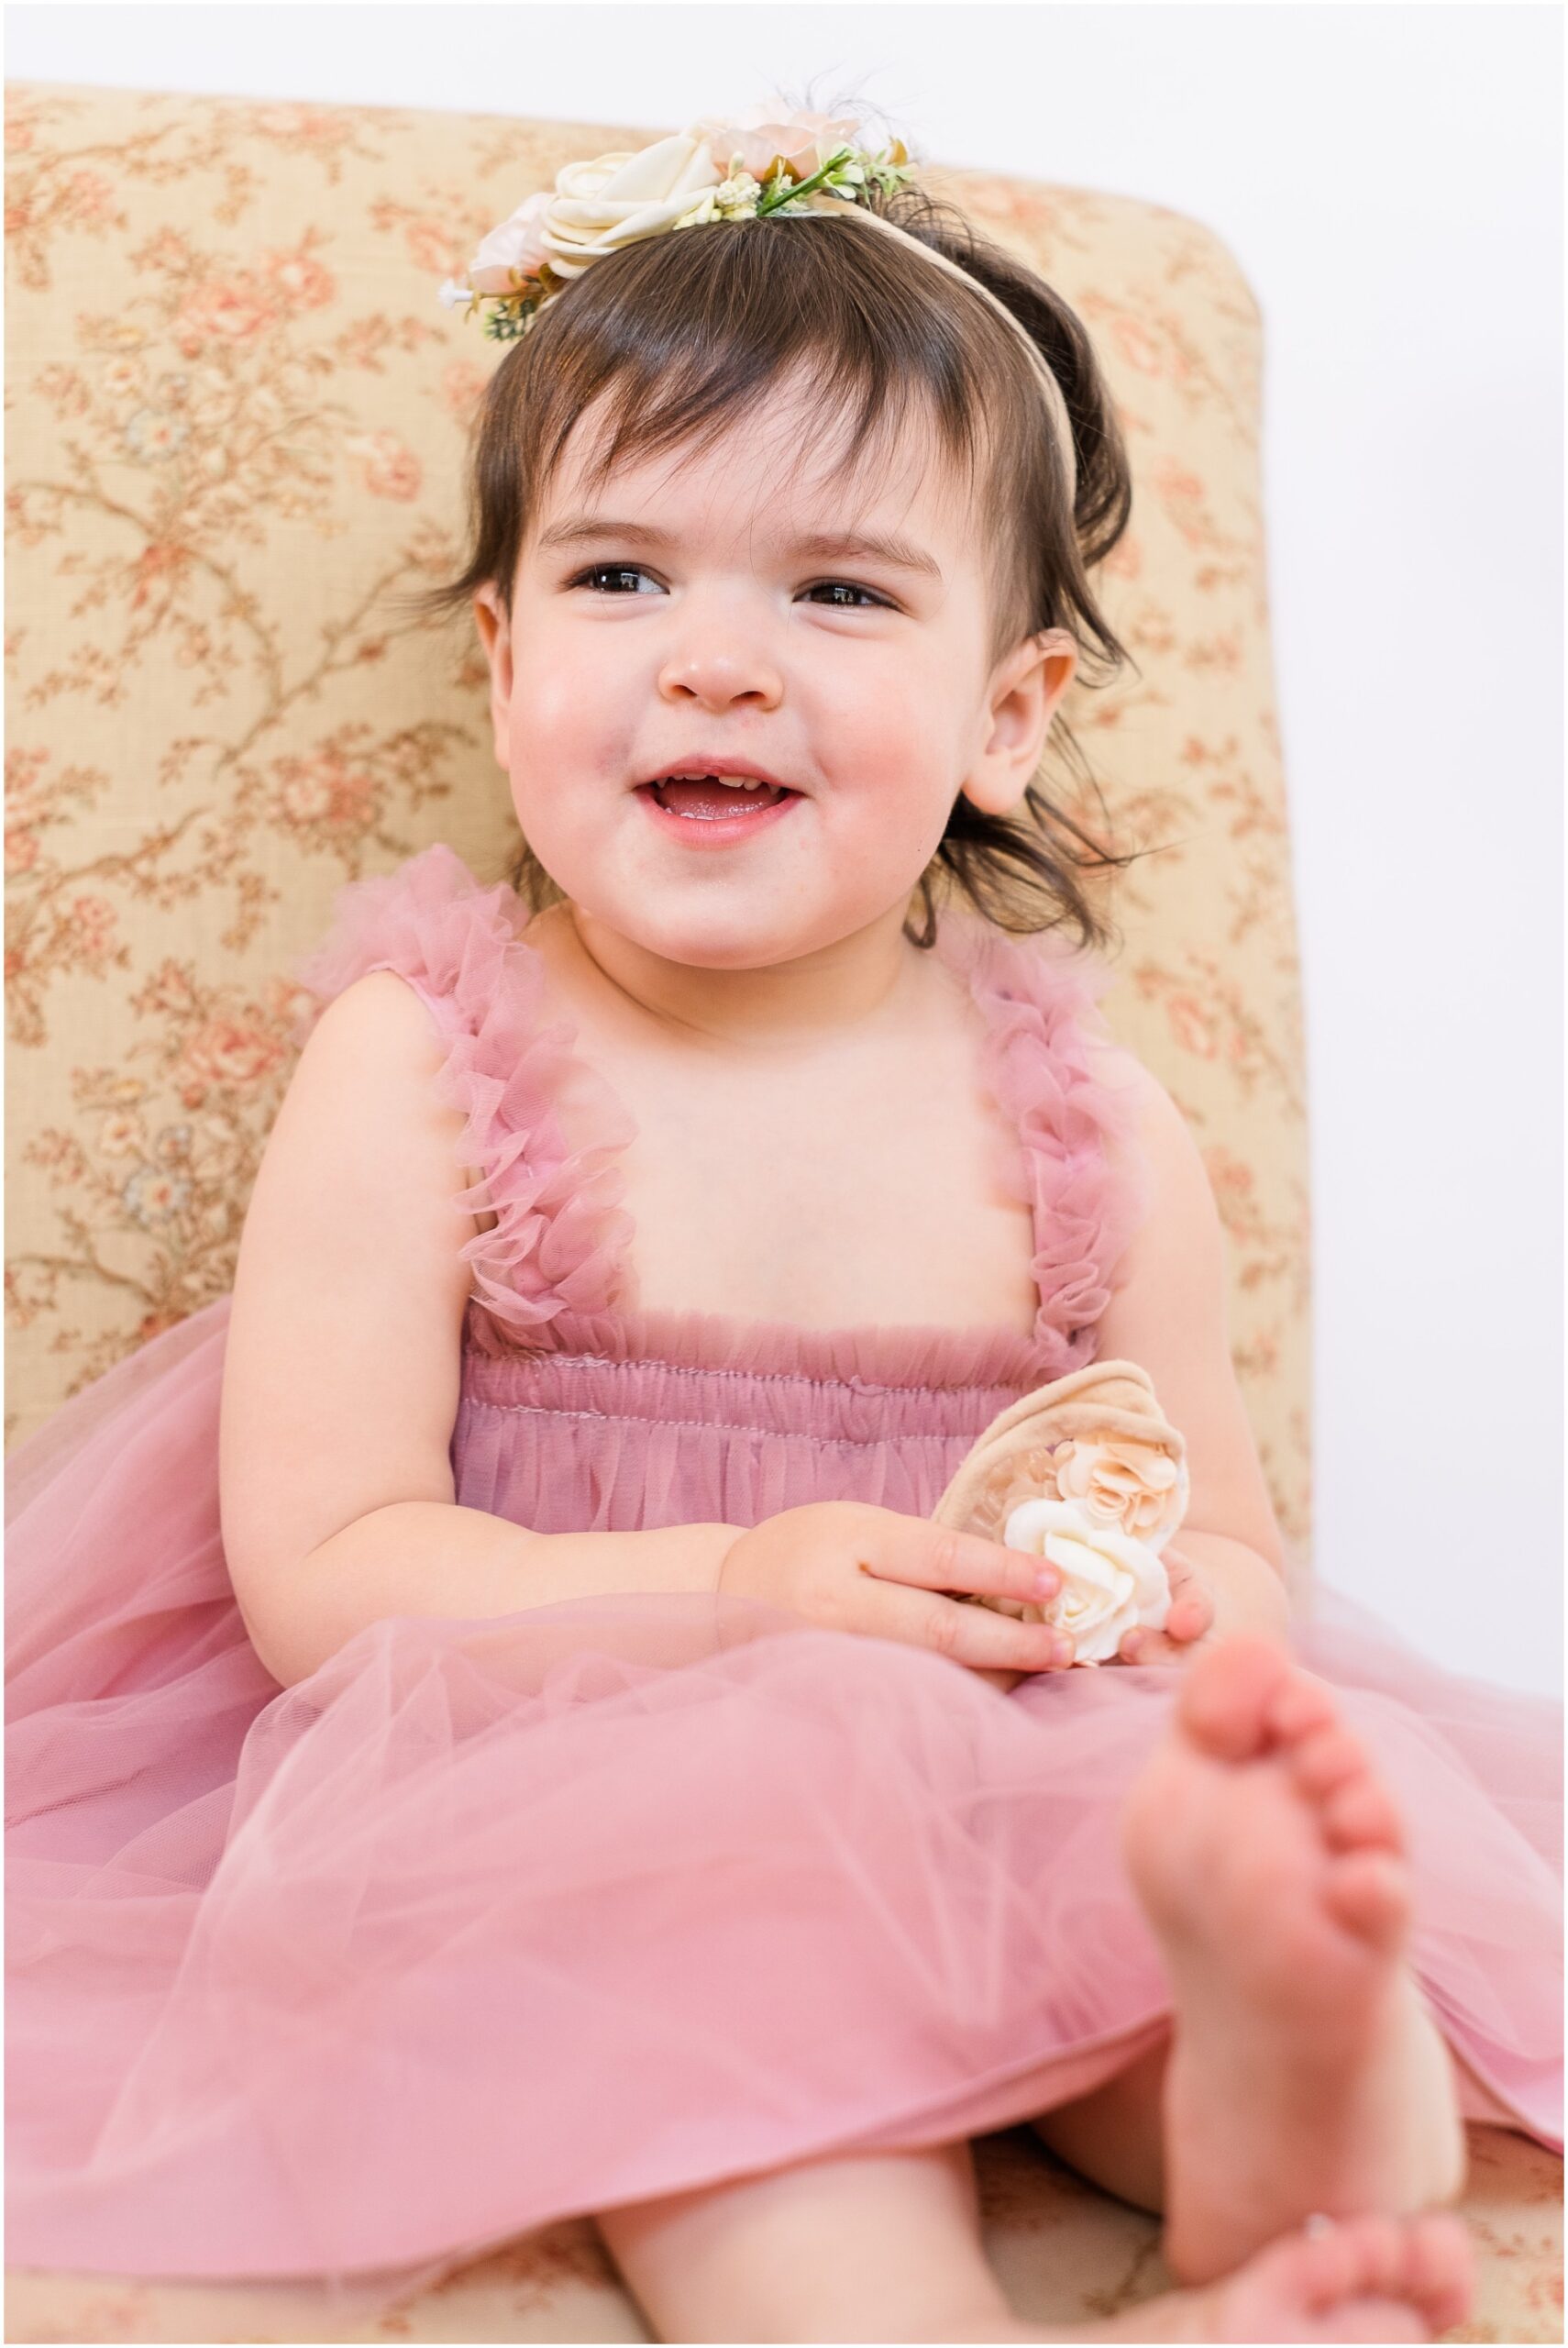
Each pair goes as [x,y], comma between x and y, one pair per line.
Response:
[829,586]
[608,571]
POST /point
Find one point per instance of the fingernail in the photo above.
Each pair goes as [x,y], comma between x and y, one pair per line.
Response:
[1062,1651]
[1046,1582]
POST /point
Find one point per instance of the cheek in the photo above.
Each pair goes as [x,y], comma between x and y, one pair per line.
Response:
[565,722]
[558,700]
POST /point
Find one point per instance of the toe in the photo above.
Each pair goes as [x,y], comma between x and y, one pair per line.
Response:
[1300,1705]
[1361,1815]
[1369,1891]
[1442,2268]
[1367,2320]
[1357,2257]
[1227,1693]
[1325,1759]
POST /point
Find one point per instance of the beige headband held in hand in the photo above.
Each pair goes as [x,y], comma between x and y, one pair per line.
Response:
[1088,1471]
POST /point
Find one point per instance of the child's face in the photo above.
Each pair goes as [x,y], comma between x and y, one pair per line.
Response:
[864,685]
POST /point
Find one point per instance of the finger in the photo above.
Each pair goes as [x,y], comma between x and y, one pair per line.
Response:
[1191,1610]
[933,1556]
[1182,1575]
[1143,1645]
[976,1635]
[1190,1615]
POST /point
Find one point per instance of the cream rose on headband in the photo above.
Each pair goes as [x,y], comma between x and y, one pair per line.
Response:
[1110,1582]
[619,199]
[1138,1487]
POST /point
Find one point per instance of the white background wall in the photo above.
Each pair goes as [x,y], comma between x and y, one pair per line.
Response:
[1389,180]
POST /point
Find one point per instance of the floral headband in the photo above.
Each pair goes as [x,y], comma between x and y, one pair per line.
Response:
[761,165]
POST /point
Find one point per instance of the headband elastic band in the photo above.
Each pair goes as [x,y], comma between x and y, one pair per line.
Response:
[1054,400]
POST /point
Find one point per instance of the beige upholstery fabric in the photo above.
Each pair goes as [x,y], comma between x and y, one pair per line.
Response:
[235,416]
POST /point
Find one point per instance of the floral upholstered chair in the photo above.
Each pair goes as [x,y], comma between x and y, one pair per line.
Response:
[237,416]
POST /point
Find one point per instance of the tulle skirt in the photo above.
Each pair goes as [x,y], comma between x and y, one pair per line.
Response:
[491,1922]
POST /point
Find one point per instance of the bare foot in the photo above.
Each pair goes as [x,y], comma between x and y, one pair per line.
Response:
[1367,2279]
[1304,2073]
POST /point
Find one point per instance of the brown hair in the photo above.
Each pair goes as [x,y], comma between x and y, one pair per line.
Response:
[685,335]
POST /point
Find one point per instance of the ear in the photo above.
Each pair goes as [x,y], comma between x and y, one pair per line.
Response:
[1023,696]
[496,636]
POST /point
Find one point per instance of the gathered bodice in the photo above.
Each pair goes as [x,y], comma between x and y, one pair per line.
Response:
[579,1411]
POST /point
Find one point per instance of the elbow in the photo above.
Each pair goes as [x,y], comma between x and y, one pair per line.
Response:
[279,1648]
[288,1630]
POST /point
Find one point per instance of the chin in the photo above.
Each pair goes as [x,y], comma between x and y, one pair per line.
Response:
[732,936]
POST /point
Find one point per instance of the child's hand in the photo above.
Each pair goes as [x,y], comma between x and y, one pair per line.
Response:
[850,1565]
[1187,1625]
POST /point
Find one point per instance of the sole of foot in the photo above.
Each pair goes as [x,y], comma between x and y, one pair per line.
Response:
[1304,2073]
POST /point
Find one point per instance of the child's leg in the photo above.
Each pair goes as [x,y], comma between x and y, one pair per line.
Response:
[1115,2136]
[887,2247]
[883,2246]
[1306,2073]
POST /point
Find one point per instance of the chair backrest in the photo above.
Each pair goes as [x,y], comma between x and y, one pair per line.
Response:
[237,425]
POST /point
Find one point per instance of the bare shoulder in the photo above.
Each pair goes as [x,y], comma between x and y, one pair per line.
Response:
[1181,1224]
[376,1037]
[1166,1137]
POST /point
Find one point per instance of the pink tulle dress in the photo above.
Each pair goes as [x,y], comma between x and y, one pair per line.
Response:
[491,1923]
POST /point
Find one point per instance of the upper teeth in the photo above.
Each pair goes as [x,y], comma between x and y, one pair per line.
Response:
[731,781]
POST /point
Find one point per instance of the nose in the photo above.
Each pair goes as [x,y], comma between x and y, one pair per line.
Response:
[721,664]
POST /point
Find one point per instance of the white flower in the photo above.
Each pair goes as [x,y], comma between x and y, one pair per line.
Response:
[594,208]
[1109,1581]
[449,293]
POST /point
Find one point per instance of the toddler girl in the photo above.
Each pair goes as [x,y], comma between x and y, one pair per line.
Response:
[495,1731]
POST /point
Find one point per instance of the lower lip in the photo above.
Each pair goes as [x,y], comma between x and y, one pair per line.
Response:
[716,831]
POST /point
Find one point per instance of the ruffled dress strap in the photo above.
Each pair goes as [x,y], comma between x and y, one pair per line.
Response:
[560,1235]
[1079,1163]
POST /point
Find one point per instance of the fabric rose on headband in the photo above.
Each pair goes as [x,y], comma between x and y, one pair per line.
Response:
[514,249]
[759,139]
[1136,1485]
[1111,1583]
[618,199]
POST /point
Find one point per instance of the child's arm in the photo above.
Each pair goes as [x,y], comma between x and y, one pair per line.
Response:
[436,1558]
[1167,1313]
[342,1370]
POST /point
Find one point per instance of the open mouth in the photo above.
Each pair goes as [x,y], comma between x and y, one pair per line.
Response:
[714,798]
